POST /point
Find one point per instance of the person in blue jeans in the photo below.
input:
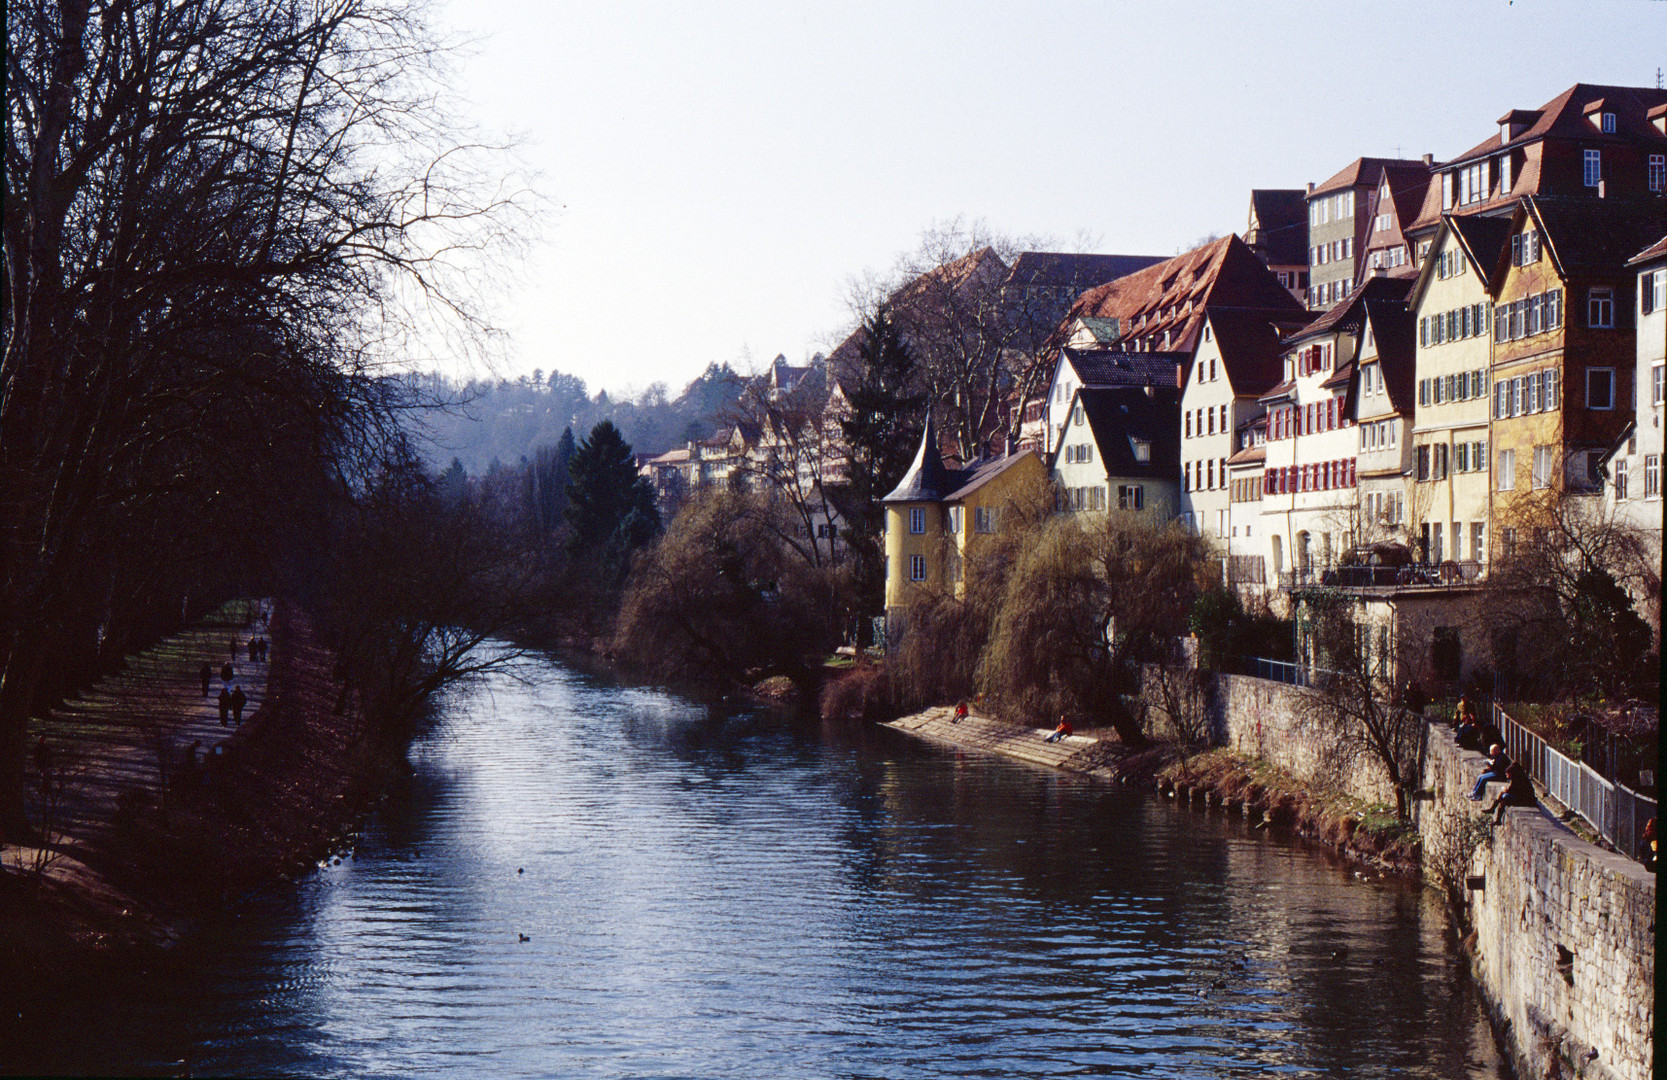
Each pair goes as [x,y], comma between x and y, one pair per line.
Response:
[1499,763]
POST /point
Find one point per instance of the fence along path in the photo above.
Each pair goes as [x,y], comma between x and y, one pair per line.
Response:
[116,736]
[1615,811]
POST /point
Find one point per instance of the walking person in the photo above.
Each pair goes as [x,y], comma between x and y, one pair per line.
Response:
[225,705]
[238,700]
[206,675]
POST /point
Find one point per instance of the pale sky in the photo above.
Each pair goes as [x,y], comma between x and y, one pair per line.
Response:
[715,173]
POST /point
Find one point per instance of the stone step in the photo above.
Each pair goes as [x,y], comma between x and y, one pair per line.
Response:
[994,736]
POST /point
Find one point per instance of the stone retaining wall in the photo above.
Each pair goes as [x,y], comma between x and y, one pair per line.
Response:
[1564,940]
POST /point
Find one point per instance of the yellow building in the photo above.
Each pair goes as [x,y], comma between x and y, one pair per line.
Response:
[1451,301]
[937,517]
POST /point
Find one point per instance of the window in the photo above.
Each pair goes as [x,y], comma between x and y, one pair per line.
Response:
[1658,383]
[917,519]
[1600,308]
[1594,167]
[1549,379]
[917,568]
[1620,479]
[1130,497]
[1423,463]
[1517,404]
[1461,455]
[1658,172]
[1507,469]
[1508,543]
[1076,415]
[1600,388]
[955,520]
[1542,467]
[1533,401]
[984,519]
[1655,287]
[1608,123]
[1652,475]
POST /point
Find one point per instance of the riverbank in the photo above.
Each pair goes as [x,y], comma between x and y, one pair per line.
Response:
[148,841]
[1217,778]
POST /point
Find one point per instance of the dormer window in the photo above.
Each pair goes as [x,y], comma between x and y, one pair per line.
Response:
[1142,449]
[1609,123]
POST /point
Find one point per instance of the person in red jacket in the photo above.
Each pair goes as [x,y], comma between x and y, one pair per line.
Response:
[1061,731]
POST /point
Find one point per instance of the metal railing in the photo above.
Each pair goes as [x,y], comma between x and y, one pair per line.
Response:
[1614,810]
[1410,576]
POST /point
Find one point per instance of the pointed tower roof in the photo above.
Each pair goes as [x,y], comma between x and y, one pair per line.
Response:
[927,480]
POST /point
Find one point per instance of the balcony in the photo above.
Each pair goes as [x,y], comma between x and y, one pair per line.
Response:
[1446,575]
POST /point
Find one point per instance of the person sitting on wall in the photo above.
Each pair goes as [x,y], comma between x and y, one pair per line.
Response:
[1647,846]
[1465,710]
[1061,731]
[1469,735]
[1520,791]
[1498,764]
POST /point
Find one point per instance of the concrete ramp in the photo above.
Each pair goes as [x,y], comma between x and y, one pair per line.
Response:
[1074,753]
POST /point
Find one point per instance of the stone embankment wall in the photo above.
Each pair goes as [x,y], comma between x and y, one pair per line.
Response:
[1563,938]
[1270,720]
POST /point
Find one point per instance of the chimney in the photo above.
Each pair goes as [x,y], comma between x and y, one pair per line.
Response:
[1429,159]
[1310,187]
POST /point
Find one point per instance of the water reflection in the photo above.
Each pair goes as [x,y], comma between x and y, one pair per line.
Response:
[739,894]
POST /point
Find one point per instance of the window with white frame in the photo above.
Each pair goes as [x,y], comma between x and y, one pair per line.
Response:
[984,519]
[1658,384]
[1594,167]
[1652,475]
[917,519]
[955,521]
[1658,172]
[1620,467]
[1600,388]
[1600,308]
[917,568]
[1130,497]
[1507,469]
[1543,466]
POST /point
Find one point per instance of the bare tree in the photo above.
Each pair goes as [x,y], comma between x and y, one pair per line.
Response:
[1350,696]
[979,345]
[215,210]
[789,460]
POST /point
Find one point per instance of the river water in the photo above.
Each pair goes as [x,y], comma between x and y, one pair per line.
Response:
[584,880]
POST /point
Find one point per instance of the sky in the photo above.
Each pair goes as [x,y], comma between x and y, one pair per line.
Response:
[713,176]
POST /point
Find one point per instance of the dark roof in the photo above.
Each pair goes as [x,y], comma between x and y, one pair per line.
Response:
[1595,235]
[1347,315]
[1109,367]
[1394,335]
[1362,171]
[1250,347]
[1170,296]
[1482,237]
[1278,225]
[1341,377]
[1564,116]
[980,473]
[1655,251]
[1117,414]
[1078,271]
[927,480]
[1250,454]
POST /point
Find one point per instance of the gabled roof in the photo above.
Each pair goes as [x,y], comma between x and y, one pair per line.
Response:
[1657,250]
[1110,367]
[1118,414]
[1078,271]
[1347,316]
[1592,236]
[1343,376]
[1278,225]
[1481,239]
[1170,296]
[1363,171]
[1395,337]
[1251,347]
[980,473]
[1564,116]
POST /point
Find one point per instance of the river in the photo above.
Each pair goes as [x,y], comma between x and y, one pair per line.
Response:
[585,880]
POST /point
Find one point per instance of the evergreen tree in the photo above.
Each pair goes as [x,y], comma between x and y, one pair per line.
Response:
[547,483]
[610,507]
[887,408]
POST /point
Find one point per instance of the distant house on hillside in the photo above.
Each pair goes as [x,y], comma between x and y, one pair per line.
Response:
[1277,232]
